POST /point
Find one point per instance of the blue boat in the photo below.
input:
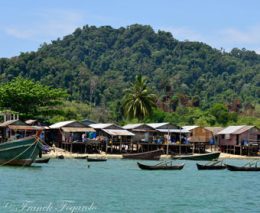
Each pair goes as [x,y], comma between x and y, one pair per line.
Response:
[21,152]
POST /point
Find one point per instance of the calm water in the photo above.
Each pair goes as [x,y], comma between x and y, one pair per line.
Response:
[120,186]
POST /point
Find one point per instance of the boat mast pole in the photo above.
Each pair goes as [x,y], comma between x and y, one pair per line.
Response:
[167,147]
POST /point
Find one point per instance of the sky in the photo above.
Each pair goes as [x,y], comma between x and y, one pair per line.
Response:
[26,24]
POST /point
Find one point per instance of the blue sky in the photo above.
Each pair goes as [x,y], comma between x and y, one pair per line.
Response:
[26,24]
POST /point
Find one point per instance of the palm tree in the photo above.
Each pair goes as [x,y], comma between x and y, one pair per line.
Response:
[138,101]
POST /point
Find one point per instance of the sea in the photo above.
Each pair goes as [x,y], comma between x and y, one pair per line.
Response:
[77,186]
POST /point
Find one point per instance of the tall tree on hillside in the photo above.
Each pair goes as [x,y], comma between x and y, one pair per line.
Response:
[138,100]
[29,98]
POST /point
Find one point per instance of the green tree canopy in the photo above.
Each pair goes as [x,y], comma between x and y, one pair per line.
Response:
[30,98]
[138,101]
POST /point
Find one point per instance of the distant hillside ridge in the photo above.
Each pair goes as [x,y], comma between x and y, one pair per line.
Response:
[96,64]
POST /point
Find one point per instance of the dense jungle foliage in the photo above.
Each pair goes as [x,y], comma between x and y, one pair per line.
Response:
[192,80]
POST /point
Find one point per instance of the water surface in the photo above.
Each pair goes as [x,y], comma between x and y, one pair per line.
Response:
[120,186]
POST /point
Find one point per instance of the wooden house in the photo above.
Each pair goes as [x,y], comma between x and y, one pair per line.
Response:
[198,134]
[200,137]
[143,132]
[239,140]
[14,129]
[117,138]
[66,132]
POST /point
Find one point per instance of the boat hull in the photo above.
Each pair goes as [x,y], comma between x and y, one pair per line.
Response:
[151,155]
[207,157]
[210,167]
[242,169]
[45,160]
[160,167]
[96,159]
[21,152]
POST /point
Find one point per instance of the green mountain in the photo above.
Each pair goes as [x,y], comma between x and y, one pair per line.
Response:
[95,65]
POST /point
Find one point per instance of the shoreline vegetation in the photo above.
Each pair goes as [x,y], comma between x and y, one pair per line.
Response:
[90,74]
[69,155]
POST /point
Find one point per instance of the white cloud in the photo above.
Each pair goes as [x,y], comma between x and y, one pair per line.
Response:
[47,25]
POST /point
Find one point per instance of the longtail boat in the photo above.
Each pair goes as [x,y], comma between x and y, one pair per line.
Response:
[96,159]
[219,165]
[207,156]
[151,155]
[161,166]
[243,168]
[44,160]
[21,152]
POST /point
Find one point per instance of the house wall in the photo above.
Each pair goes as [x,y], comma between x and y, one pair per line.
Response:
[201,134]
[249,135]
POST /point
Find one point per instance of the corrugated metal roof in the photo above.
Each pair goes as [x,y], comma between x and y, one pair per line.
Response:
[10,122]
[77,129]
[214,130]
[21,127]
[118,132]
[157,125]
[100,125]
[132,126]
[60,124]
[189,128]
[173,130]
[231,130]
[30,121]
[244,129]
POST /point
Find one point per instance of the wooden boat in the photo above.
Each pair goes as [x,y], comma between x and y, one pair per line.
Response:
[60,157]
[79,157]
[212,166]
[44,160]
[96,159]
[161,166]
[207,156]
[21,152]
[243,168]
[151,155]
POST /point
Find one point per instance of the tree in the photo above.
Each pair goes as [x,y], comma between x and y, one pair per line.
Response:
[29,98]
[138,101]
[220,112]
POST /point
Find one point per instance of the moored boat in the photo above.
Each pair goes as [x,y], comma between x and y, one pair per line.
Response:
[96,159]
[207,156]
[44,160]
[21,152]
[213,166]
[151,155]
[161,166]
[243,168]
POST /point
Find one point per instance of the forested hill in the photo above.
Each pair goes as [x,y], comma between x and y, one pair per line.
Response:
[96,64]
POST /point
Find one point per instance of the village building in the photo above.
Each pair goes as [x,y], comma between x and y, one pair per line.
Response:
[243,140]
[116,138]
[16,129]
[71,135]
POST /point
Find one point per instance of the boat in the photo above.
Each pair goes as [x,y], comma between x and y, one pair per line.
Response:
[44,160]
[60,157]
[21,152]
[80,157]
[243,168]
[161,166]
[151,155]
[207,156]
[96,159]
[212,166]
